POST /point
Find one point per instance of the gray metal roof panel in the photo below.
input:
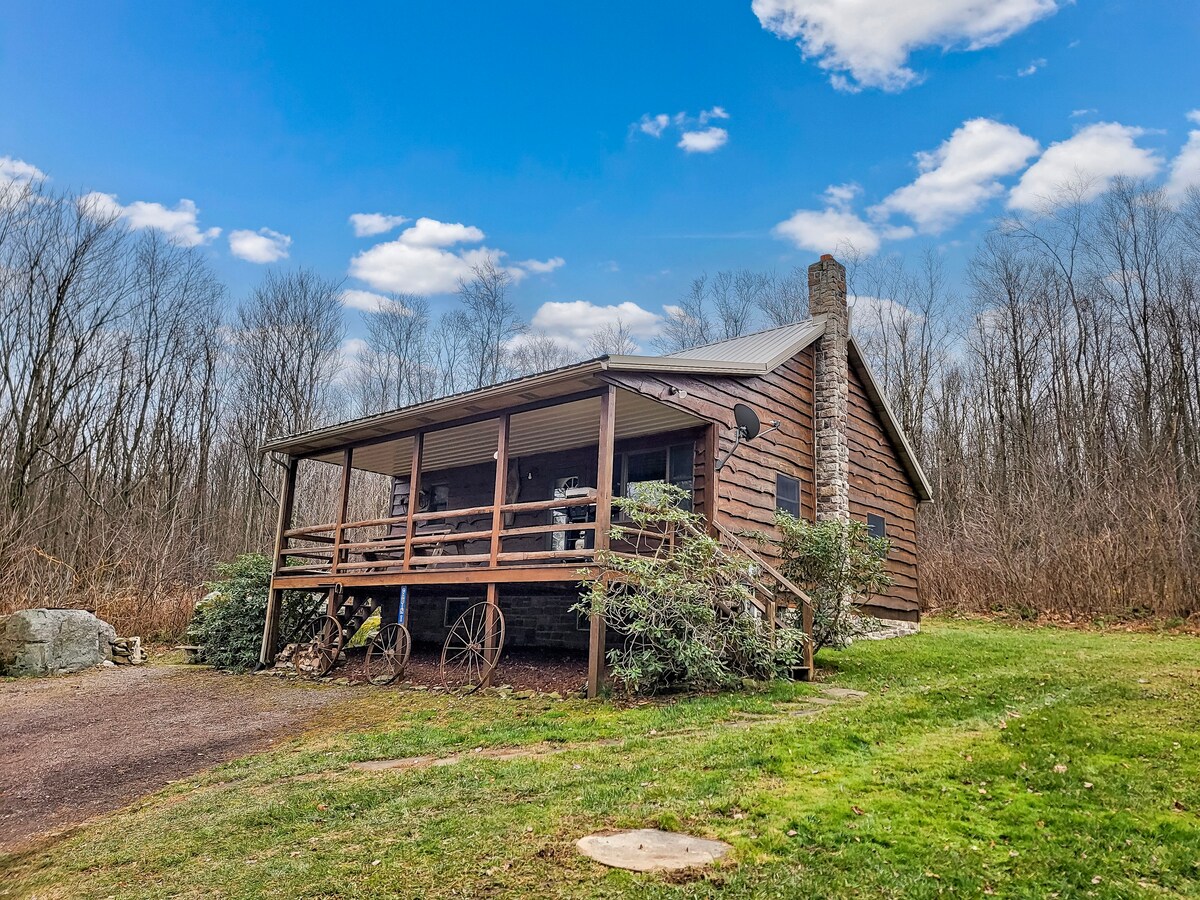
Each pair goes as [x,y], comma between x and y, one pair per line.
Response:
[763,348]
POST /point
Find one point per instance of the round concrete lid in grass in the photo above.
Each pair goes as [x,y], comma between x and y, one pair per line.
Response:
[651,850]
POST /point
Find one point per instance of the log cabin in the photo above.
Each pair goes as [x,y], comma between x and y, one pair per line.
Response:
[503,495]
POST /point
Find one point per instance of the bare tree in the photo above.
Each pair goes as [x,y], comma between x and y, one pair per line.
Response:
[492,320]
[613,339]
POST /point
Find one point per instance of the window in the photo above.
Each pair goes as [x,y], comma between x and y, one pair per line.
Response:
[455,607]
[674,464]
[876,525]
[787,495]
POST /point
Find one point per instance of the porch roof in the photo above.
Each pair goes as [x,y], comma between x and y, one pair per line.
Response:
[470,411]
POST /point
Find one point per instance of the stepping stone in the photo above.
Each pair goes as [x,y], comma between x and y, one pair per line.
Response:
[651,850]
[838,693]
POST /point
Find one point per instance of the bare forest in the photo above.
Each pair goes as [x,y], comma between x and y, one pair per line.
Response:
[1053,397]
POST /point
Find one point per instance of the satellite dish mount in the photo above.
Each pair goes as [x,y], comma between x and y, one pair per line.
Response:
[746,427]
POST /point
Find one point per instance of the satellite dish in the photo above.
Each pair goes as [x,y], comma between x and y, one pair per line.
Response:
[747,421]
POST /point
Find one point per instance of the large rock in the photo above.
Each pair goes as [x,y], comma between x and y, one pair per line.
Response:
[53,642]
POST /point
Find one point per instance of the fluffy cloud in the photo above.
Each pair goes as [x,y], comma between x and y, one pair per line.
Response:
[654,125]
[370,224]
[262,246]
[866,43]
[367,301]
[705,141]
[1185,168]
[1090,159]
[828,230]
[695,134]
[430,257]
[573,322]
[542,267]
[1031,68]
[179,224]
[17,171]
[960,176]
[426,232]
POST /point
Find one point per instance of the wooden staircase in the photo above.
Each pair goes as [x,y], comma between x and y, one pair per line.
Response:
[350,611]
[774,595]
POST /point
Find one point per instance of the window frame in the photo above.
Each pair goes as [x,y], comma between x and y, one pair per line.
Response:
[882,520]
[686,480]
[780,479]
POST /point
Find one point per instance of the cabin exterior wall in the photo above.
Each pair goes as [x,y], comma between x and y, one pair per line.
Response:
[534,615]
[746,485]
[879,485]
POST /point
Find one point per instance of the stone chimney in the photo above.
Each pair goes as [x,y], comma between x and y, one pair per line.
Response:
[827,297]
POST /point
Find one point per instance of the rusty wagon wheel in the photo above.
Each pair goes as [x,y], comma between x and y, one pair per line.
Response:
[388,654]
[473,647]
[320,652]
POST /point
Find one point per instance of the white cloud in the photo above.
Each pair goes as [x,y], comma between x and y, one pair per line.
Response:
[367,301]
[960,176]
[830,230]
[428,257]
[654,125]
[574,321]
[1031,68]
[869,312]
[542,267]
[17,171]
[262,246]
[1078,113]
[369,224]
[179,224]
[706,141]
[426,232]
[694,137]
[867,43]
[1090,160]
[1185,168]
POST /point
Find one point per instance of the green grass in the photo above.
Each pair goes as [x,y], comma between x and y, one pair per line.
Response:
[1028,762]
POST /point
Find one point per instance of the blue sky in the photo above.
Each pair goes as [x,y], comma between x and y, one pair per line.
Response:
[522,124]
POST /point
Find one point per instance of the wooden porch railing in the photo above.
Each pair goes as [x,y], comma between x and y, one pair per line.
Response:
[337,544]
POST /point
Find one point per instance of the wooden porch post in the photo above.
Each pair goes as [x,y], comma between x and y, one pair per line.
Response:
[343,505]
[287,500]
[498,497]
[604,471]
[710,475]
[414,496]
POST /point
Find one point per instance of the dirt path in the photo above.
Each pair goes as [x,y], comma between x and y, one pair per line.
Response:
[80,745]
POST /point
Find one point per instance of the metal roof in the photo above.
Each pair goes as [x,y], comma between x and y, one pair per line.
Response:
[751,354]
[763,348]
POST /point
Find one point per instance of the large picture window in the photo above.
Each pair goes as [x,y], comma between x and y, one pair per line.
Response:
[674,464]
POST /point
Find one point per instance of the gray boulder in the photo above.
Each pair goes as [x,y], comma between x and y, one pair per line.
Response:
[53,642]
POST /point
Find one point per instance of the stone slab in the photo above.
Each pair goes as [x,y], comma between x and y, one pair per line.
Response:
[651,850]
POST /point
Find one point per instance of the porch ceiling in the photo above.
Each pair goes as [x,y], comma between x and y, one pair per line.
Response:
[549,429]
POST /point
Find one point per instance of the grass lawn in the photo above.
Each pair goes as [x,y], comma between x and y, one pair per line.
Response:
[1028,762]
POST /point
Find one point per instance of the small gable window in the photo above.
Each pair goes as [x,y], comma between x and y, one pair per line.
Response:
[876,525]
[787,495]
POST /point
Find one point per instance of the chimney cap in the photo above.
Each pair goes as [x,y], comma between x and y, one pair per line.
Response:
[825,256]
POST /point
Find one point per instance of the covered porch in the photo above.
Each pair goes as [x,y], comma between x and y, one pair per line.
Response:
[519,495]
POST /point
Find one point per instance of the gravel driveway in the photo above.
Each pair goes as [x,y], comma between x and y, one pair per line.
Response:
[75,746]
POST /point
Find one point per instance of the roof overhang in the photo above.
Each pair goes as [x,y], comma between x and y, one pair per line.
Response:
[580,382]
[891,425]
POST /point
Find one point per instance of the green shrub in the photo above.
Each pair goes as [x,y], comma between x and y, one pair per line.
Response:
[839,565]
[684,611]
[227,624]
